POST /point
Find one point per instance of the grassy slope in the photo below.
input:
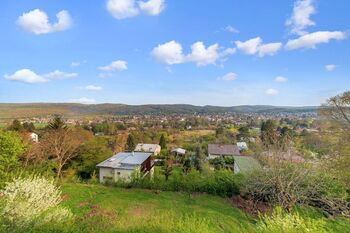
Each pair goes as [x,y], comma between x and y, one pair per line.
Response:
[138,207]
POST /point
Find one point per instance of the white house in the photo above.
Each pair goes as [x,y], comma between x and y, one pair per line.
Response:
[124,165]
[242,146]
[152,148]
[34,137]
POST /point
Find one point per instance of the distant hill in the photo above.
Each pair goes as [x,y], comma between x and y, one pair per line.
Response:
[8,111]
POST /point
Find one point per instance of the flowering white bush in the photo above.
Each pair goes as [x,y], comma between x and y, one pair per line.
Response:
[281,221]
[29,199]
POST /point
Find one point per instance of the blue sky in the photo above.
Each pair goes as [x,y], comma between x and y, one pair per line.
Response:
[213,52]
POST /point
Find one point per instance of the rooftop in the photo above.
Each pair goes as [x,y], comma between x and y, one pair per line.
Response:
[221,149]
[125,160]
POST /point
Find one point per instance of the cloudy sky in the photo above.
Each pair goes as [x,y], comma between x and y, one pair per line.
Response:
[213,52]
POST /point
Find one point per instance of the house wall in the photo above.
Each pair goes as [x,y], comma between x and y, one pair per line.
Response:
[116,174]
[157,151]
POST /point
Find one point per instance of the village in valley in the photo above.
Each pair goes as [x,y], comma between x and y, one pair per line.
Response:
[175,116]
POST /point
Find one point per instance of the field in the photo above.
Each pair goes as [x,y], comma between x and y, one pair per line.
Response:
[130,210]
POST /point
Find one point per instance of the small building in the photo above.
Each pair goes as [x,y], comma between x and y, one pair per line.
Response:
[245,164]
[222,150]
[34,137]
[124,165]
[152,148]
[242,146]
[178,152]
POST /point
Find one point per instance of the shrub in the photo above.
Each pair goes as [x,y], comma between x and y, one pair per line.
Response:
[287,184]
[281,221]
[31,201]
[222,183]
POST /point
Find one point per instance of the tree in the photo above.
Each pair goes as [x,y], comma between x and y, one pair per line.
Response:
[162,141]
[198,158]
[186,167]
[57,123]
[62,146]
[91,153]
[219,131]
[168,167]
[338,107]
[29,126]
[337,110]
[16,126]
[243,132]
[11,148]
[130,143]
[268,133]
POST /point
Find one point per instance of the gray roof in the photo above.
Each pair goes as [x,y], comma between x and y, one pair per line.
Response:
[220,149]
[146,147]
[179,151]
[125,160]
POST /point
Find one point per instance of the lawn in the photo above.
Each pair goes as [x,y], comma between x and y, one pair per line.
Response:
[141,209]
[133,210]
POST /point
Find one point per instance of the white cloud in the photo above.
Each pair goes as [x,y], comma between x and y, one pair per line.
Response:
[118,65]
[271,91]
[256,46]
[121,9]
[228,77]
[92,88]
[83,100]
[152,7]
[37,22]
[312,39]
[281,79]
[168,53]
[26,76]
[171,53]
[250,46]
[203,56]
[231,29]
[300,18]
[330,67]
[269,49]
[57,74]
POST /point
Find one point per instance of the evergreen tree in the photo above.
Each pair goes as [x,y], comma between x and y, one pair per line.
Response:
[162,142]
[186,167]
[130,143]
[198,159]
[268,133]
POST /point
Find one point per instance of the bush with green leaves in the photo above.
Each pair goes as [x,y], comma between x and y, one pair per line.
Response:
[281,221]
[32,201]
[222,182]
[10,149]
